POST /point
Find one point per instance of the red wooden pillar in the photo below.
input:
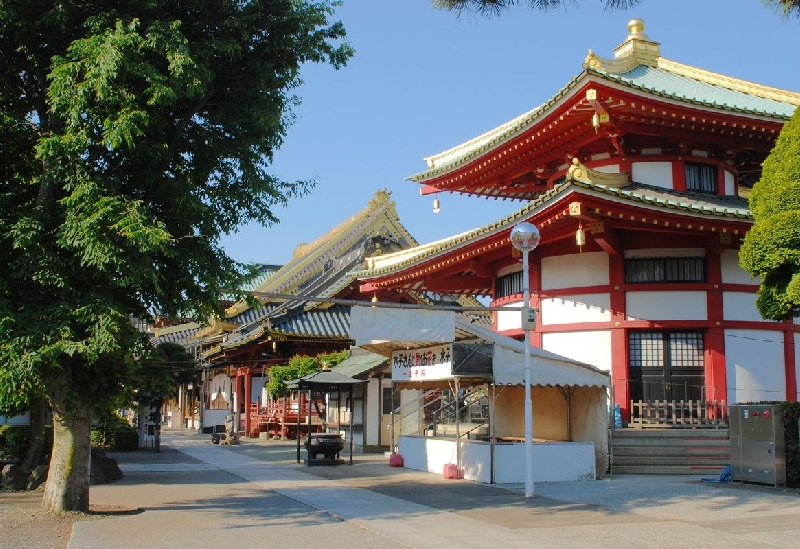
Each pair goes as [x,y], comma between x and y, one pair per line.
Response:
[248,390]
[789,360]
[619,340]
[716,378]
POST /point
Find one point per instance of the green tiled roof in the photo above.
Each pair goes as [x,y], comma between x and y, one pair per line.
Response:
[732,207]
[665,83]
[359,362]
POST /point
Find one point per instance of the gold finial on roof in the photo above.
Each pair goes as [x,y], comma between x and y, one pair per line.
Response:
[636,30]
[637,50]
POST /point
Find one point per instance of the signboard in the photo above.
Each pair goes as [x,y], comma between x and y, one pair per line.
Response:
[429,363]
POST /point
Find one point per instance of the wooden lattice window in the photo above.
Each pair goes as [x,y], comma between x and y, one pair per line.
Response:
[510,284]
[701,178]
[665,269]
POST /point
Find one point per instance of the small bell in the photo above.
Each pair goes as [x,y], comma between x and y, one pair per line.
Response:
[580,237]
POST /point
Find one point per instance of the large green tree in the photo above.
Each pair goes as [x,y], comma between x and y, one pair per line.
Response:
[771,248]
[786,8]
[134,134]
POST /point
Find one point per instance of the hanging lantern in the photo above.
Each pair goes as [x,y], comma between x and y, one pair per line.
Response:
[595,122]
[436,208]
[580,237]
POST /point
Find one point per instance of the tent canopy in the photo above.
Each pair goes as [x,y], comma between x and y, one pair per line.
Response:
[383,331]
[326,381]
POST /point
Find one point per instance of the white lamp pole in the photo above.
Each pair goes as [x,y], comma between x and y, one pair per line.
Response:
[525,237]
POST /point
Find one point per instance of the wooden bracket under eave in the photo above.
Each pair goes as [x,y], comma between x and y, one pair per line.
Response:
[607,238]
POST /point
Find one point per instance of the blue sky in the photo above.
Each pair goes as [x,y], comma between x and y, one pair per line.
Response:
[424,80]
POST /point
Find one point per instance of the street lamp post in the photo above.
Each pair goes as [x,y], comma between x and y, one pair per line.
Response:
[525,237]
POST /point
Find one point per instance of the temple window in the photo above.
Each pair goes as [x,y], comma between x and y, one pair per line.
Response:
[701,178]
[666,365]
[510,284]
[664,270]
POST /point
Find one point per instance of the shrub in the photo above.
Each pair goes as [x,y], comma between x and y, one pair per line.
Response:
[14,442]
[115,433]
[791,423]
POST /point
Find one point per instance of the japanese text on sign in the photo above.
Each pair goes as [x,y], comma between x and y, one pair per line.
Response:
[423,364]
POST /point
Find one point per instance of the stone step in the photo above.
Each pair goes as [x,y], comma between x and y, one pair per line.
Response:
[711,471]
[672,451]
[695,443]
[671,433]
[655,461]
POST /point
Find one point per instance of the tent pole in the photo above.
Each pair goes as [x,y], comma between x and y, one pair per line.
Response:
[299,414]
[352,412]
[458,424]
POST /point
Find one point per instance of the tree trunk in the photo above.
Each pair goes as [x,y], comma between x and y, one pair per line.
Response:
[37,448]
[67,487]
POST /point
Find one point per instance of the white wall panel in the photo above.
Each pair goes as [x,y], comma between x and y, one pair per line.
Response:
[730,189]
[575,308]
[509,320]
[590,347]
[652,173]
[666,305]
[740,306]
[732,273]
[754,365]
[575,270]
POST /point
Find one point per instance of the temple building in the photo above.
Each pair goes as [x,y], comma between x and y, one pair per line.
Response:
[637,174]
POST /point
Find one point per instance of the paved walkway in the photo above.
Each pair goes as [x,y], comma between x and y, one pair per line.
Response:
[195,494]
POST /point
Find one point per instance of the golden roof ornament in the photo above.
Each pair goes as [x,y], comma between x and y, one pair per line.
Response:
[579,172]
[637,50]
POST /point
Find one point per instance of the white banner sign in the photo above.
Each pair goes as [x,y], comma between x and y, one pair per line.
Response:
[423,364]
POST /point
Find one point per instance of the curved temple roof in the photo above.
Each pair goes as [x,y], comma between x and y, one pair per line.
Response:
[637,68]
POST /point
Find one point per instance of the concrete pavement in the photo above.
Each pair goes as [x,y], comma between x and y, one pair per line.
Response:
[195,494]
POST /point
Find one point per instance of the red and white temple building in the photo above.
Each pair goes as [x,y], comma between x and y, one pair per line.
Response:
[637,174]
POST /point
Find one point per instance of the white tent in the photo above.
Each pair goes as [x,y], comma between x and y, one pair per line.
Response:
[383,331]
[570,402]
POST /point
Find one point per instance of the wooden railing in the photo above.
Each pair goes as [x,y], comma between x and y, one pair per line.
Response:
[279,418]
[679,413]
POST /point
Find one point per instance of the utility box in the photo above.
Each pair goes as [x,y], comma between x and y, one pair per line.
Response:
[758,452]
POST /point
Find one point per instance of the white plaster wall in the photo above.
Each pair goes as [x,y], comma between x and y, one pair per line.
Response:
[731,272]
[257,388]
[509,320]
[372,424]
[590,347]
[666,305]
[215,417]
[508,269]
[754,366]
[652,173]
[575,309]
[730,189]
[740,306]
[575,270]
[552,462]
[610,168]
